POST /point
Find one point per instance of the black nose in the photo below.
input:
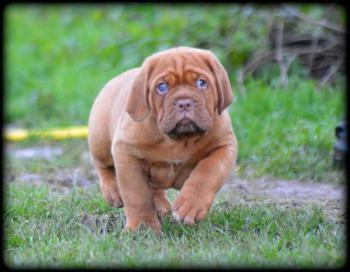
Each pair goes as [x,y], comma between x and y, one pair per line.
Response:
[184,104]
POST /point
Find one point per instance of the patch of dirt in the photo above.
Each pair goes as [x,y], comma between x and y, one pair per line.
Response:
[38,165]
[48,153]
[286,189]
[102,223]
[331,197]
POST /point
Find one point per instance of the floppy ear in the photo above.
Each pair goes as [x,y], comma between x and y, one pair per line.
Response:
[223,84]
[137,105]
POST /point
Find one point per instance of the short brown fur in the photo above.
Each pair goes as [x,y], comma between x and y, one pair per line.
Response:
[138,155]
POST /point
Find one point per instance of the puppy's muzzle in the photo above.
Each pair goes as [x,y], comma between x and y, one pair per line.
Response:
[184,108]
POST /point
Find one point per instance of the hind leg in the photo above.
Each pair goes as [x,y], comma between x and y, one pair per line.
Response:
[109,186]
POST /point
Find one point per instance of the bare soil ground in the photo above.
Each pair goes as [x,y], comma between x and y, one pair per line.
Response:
[331,197]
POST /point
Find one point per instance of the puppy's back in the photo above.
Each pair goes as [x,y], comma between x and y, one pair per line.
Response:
[107,108]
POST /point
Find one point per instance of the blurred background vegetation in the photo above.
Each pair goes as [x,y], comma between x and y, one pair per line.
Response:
[58,57]
[286,64]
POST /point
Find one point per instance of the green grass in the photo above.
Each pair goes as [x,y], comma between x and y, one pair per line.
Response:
[46,229]
[288,132]
[55,66]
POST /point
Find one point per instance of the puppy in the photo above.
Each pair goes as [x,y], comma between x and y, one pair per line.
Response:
[164,125]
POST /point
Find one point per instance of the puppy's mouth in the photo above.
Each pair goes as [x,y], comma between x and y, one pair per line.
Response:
[185,128]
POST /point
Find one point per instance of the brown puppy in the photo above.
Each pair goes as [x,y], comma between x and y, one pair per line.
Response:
[164,125]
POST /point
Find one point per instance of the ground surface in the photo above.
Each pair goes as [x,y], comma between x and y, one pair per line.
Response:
[290,220]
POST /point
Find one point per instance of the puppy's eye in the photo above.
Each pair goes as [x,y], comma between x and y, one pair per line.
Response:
[201,84]
[162,88]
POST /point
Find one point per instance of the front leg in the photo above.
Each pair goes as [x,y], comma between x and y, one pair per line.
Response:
[135,192]
[198,191]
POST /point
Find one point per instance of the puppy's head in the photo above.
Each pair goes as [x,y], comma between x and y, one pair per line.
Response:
[183,88]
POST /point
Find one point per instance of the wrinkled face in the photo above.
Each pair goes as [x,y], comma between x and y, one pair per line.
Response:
[182,96]
[182,91]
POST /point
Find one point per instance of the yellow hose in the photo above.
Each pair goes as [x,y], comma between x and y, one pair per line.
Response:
[57,133]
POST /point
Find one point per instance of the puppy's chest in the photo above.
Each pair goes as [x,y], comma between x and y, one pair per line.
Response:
[164,174]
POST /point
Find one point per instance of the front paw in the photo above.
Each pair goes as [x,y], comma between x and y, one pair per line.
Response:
[190,207]
[150,221]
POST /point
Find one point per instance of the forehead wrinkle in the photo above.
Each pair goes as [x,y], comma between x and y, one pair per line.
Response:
[179,64]
[172,66]
[198,72]
[168,73]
